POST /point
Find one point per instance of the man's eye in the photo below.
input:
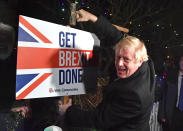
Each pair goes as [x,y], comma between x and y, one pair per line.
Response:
[118,57]
[127,60]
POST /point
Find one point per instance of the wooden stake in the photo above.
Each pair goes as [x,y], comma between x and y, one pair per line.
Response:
[66,99]
[121,28]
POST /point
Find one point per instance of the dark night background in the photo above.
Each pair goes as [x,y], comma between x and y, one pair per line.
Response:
[159,23]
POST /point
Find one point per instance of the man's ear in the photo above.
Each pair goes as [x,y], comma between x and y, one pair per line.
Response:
[7,40]
[140,62]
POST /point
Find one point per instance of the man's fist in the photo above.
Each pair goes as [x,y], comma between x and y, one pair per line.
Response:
[84,16]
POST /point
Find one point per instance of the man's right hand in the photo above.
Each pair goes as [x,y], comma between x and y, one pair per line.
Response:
[63,107]
[84,16]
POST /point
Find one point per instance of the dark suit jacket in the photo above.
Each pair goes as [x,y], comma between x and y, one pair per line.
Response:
[168,103]
[126,104]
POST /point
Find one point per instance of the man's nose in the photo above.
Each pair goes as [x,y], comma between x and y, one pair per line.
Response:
[120,63]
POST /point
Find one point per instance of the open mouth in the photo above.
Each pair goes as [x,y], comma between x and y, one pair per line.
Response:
[122,70]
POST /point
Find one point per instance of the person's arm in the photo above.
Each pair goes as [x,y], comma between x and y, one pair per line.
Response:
[111,34]
[107,115]
[102,26]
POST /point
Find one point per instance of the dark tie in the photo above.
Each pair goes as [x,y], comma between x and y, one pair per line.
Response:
[180,104]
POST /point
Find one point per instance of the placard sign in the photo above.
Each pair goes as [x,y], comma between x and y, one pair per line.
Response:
[53,60]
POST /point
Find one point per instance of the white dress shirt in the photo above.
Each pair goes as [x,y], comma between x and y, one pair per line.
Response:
[179,85]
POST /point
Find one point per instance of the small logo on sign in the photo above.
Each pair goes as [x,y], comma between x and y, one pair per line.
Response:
[50,90]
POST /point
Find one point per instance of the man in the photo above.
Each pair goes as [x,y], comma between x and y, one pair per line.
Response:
[171,106]
[127,102]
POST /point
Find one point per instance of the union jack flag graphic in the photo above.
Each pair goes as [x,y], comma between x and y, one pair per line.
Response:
[28,34]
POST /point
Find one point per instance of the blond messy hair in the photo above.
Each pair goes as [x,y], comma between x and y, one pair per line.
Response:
[131,41]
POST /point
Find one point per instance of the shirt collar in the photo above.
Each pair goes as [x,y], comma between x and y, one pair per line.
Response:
[180,74]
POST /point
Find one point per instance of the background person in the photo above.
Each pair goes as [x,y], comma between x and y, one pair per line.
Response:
[171,106]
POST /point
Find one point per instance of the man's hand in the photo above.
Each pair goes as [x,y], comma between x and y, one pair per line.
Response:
[84,16]
[23,110]
[63,107]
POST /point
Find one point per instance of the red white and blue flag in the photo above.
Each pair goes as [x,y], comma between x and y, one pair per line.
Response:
[51,58]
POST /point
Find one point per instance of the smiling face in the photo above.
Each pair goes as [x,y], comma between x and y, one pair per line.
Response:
[125,62]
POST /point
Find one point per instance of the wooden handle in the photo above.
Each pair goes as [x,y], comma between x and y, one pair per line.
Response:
[121,28]
[72,20]
[66,99]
